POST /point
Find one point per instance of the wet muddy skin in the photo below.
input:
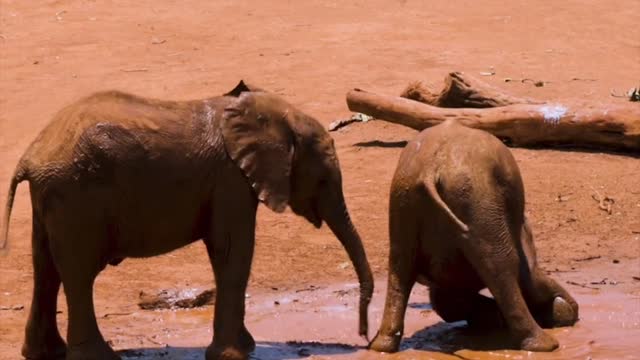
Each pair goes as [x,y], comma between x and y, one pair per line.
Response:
[320,322]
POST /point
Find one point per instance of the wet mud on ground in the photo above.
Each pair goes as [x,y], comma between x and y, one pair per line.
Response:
[320,322]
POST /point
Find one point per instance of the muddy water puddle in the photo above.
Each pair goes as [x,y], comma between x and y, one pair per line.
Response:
[321,322]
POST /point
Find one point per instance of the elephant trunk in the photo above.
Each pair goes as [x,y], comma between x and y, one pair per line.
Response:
[333,211]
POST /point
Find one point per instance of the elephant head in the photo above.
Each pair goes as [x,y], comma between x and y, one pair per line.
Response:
[290,159]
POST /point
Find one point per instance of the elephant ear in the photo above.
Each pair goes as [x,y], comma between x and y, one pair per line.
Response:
[243,86]
[258,138]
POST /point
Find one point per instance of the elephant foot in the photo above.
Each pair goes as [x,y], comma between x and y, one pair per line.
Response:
[227,353]
[46,349]
[541,342]
[246,341]
[92,350]
[385,343]
[246,344]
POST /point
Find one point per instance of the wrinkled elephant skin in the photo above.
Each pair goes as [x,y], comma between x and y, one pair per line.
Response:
[116,175]
[457,224]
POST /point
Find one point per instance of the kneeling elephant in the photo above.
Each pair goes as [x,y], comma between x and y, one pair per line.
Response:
[457,224]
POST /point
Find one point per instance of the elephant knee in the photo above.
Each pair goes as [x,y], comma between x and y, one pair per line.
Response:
[564,313]
[557,313]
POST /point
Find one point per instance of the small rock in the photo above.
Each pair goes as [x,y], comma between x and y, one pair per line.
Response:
[616,261]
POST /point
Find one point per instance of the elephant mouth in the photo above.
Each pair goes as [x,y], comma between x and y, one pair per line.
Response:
[309,212]
[313,217]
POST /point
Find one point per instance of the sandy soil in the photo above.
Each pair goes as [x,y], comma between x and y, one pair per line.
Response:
[312,54]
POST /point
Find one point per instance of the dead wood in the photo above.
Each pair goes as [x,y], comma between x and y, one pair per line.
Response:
[605,126]
[463,91]
[172,299]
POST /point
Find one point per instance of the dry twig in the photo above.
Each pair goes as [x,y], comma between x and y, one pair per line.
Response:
[582,285]
[116,314]
[588,258]
[605,203]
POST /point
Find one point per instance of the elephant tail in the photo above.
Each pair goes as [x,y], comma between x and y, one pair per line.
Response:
[19,175]
[430,186]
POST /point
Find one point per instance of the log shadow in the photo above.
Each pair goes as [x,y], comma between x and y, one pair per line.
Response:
[509,143]
[382,144]
[570,148]
[265,350]
[451,337]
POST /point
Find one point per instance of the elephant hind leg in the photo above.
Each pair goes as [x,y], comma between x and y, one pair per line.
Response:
[500,271]
[78,249]
[404,236]
[42,338]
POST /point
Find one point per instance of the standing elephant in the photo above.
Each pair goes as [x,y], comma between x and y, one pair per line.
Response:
[116,176]
[457,225]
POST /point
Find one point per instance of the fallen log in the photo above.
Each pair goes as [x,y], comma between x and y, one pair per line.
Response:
[603,126]
[463,91]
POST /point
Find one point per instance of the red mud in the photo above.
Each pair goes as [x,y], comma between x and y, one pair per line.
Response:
[312,53]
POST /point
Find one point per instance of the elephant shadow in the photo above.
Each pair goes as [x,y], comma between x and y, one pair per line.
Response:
[451,337]
[265,350]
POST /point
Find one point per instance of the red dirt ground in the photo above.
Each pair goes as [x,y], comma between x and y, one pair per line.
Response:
[312,53]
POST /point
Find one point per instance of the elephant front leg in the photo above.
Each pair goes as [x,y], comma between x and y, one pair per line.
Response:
[500,273]
[42,339]
[231,252]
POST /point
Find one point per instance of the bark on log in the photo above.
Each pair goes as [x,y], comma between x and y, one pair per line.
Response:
[604,126]
[463,91]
